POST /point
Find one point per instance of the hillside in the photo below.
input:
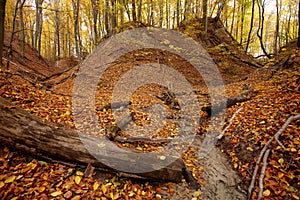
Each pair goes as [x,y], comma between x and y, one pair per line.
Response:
[275,98]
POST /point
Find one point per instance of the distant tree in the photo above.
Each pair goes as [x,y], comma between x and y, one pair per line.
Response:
[205,8]
[298,42]
[2,17]
[251,25]
[38,25]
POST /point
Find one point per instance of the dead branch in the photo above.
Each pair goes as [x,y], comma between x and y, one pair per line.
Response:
[262,152]
[262,174]
[230,122]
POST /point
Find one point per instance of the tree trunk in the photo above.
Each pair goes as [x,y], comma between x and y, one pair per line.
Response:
[95,7]
[233,15]
[260,30]
[24,131]
[22,28]
[139,15]
[276,34]
[205,15]
[133,11]
[251,25]
[2,17]
[177,12]
[39,25]
[298,42]
[75,5]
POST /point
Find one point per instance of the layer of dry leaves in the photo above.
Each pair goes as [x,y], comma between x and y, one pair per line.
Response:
[22,177]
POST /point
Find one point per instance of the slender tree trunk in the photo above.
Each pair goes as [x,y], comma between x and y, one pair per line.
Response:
[243,8]
[22,28]
[233,15]
[95,13]
[178,12]
[57,34]
[2,18]
[76,28]
[9,50]
[276,29]
[298,42]
[205,15]
[106,17]
[39,25]
[287,31]
[139,14]
[261,7]
[251,25]
[161,12]
[168,18]
[133,11]
[113,16]
[220,9]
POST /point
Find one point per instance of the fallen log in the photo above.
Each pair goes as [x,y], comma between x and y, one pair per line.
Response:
[217,108]
[26,132]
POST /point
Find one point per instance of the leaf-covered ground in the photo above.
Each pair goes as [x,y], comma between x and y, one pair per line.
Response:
[277,98]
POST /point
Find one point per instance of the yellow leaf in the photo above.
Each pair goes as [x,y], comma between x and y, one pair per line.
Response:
[197,193]
[281,161]
[1,184]
[77,179]
[104,189]
[249,149]
[162,157]
[15,198]
[96,185]
[280,175]
[55,194]
[41,189]
[79,173]
[266,193]
[295,196]
[131,193]
[293,150]
[139,148]
[10,179]
[111,195]
[235,165]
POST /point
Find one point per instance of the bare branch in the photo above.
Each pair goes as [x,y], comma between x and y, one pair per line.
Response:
[290,119]
[230,122]
[262,174]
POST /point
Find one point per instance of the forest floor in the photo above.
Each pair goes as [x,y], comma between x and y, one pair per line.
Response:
[225,173]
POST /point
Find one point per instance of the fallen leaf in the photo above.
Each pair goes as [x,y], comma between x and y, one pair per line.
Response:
[266,193]
[41,189]
[79,173]
[77,197]
[68,195]
[95,186]
[77,179]
[10,179]
[56,193]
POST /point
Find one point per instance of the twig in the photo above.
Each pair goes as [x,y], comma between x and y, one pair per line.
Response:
[230,122]
[290,119]
[262,174]
[280,144]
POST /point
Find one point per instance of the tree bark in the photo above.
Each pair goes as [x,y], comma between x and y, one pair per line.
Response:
[251,25]
[298,42]
[2,17]
[24,131]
